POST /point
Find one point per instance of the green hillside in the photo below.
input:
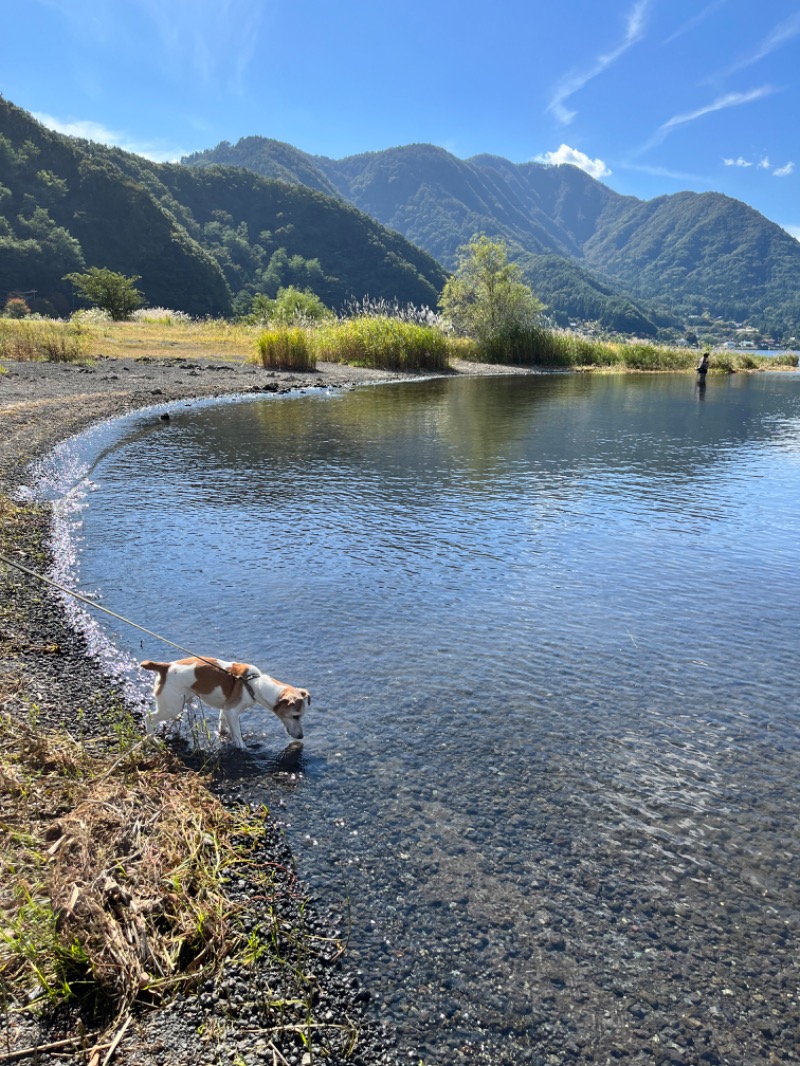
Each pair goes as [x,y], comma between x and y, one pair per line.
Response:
[203,241]
[65,206]
[704,252]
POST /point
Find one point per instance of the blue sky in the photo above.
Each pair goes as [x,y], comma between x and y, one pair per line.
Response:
[649,96]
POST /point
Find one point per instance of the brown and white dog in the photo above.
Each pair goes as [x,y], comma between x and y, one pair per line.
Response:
[228,687]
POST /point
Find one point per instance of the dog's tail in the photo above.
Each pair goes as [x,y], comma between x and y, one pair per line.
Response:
[159,668]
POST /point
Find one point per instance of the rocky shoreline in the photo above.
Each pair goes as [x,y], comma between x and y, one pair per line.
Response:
[40,405]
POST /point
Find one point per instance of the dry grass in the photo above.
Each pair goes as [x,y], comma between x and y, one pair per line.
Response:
[87,338]
[112,869]
[210,339]
[57,342]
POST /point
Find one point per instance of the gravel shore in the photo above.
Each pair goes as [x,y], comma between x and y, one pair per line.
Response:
[40,405]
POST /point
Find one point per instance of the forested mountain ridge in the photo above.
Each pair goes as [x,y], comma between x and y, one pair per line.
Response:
[672,257]
[202,241]
[439,202]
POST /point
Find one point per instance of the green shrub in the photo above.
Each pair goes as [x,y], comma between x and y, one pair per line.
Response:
[114,292]
[286,348]
[291,307]
[383,343]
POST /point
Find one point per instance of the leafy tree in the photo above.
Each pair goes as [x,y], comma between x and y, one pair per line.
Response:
[290,306]
[110,291]
[16,307]
[486,297]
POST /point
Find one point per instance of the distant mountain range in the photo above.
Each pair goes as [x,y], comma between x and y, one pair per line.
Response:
[207,234]
[203,241]
[588,252]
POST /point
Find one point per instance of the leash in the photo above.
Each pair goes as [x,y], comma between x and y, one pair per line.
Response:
[244,678]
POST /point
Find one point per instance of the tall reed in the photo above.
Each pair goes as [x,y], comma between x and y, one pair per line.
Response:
[561,348]
[382,342]
[286,348]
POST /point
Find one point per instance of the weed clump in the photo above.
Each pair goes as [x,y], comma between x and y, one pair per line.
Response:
[112,870]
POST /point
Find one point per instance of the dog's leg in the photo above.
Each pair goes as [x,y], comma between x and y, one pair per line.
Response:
[229,721]
[165,710]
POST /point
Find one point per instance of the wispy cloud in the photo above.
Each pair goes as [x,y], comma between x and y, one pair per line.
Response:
[688,26]
[666,172]
[720,104]
[564,154]
[775,39]
[217,39]
[738,162]
[783,172]
[88,130]
[576,80]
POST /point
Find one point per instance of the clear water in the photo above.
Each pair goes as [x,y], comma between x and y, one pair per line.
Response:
[550,627]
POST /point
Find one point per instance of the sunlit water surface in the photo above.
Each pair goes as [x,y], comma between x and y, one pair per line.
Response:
[550,627]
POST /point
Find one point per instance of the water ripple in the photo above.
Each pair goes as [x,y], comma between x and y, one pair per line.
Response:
[550,627]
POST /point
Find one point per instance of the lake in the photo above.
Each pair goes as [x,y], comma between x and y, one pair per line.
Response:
[550,627]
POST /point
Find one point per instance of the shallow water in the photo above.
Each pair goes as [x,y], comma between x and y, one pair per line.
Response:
[550,628]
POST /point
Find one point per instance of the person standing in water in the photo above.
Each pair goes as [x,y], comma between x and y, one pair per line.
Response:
[702,367]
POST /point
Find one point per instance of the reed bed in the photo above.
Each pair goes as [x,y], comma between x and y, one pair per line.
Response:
[287,348]
[376,335]
[561,348]
[382,342]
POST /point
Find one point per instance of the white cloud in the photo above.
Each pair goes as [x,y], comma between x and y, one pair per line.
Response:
[88,130]
[720,104]
[572,83]
[794,231]
[763,164]
[783,172]
[564,154]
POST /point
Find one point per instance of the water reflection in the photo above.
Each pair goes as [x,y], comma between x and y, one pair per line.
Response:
[550,629]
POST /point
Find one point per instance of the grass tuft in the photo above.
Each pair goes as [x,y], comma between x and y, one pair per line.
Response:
[286,348]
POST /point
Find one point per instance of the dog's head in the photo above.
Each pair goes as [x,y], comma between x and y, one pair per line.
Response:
[291,706]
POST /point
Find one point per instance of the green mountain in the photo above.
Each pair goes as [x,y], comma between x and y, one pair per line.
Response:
[587,251]
[699,252]
[438,202]
[203,241]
